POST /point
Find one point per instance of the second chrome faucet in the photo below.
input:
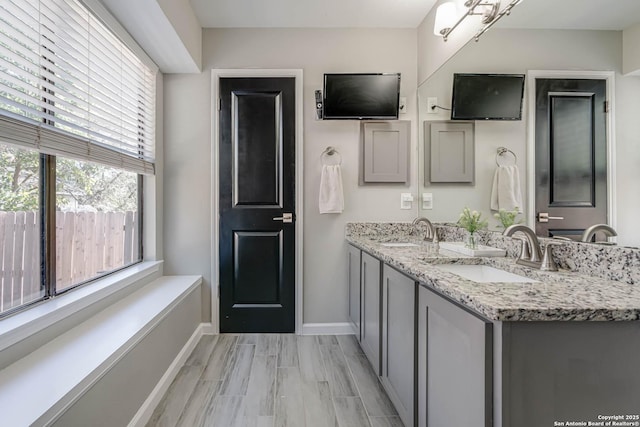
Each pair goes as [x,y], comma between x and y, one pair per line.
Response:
[590,232]
[531,254]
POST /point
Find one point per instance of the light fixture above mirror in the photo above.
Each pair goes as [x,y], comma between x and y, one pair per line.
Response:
[446,15]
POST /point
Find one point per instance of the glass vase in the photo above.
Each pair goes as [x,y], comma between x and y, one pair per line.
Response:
[471,240]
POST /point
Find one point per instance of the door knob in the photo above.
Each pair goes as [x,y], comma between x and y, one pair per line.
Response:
[544,217]
[286,217]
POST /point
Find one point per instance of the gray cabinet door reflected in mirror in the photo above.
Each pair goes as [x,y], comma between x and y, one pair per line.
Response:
[450,152]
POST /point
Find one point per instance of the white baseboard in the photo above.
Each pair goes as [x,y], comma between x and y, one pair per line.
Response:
[344,328]
[207,329]
[146,410]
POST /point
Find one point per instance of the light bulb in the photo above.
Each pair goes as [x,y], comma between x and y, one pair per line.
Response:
[446,16]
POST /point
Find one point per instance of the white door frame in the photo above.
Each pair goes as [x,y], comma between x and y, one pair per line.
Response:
[609,76]
[216,74]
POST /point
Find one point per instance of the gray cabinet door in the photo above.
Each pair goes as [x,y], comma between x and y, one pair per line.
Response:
[398,341]
[569,370]
[454,364]
[370,310]
[354,288]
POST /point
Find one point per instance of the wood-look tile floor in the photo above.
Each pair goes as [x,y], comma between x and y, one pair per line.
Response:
[276,380]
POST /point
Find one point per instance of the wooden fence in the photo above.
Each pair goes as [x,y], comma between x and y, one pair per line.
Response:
[87,245]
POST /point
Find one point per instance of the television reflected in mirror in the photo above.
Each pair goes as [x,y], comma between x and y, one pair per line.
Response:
[487,96]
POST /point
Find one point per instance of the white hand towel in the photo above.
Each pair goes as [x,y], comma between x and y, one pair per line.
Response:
[505,192]
[331,197]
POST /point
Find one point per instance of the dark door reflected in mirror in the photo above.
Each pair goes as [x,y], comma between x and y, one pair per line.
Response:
[571,162]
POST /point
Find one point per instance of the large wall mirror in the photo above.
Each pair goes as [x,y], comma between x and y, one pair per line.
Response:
[560,65]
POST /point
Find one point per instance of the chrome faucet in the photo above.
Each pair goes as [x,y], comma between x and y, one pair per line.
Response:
[590,232]
[430,234]
[531,255]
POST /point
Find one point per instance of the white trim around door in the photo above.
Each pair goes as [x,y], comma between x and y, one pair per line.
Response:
[609,76]
[216,74]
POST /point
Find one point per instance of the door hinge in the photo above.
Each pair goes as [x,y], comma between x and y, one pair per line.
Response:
[219,104]
[606,106]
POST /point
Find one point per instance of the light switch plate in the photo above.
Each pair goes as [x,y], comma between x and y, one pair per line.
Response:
[427,200]
[432,101]
[402,106]
[406,200]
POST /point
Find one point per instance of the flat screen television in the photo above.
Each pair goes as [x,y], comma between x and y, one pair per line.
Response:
[487,96]
[361,96]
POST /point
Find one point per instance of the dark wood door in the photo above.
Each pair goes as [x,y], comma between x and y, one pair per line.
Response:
[571,156]
[257,186]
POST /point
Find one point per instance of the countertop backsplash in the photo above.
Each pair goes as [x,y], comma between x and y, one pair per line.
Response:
[376,230]
[618,263]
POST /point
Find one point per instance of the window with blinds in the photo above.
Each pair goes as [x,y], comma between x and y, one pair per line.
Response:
[70,87]
[77,120]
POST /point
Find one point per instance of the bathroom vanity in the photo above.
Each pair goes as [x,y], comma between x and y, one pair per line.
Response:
[538,349]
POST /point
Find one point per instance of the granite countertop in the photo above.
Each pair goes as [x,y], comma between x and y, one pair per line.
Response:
[557,296]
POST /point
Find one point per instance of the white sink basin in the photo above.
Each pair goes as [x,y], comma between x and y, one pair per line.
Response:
[399,245]
[484,273]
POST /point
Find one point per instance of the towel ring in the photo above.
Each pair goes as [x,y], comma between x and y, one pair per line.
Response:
[328,153]
[503,151]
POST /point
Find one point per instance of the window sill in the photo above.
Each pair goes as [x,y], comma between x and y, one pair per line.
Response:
[22,325]
[34,393]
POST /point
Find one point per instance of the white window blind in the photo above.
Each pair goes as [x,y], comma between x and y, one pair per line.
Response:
[69,87]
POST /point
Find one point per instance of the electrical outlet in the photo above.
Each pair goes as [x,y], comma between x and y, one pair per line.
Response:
[427,200]
[432,102]
[402,107]
[406,200]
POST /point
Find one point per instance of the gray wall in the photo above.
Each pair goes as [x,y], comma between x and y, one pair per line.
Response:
[187,172]
[517,51]
[185,22]
[433,52]
[631,50]
[187,179]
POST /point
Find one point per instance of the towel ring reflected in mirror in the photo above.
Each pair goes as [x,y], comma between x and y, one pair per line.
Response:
[503,151]
[331,157]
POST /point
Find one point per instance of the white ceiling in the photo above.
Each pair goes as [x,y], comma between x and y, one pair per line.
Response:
[556,14]
[312,13]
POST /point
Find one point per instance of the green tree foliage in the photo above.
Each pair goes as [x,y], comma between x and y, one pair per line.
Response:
[19,179]
[82,185]
[79,185]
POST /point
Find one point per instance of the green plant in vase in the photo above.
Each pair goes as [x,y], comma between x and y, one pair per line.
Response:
[507,218]
[471,221]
